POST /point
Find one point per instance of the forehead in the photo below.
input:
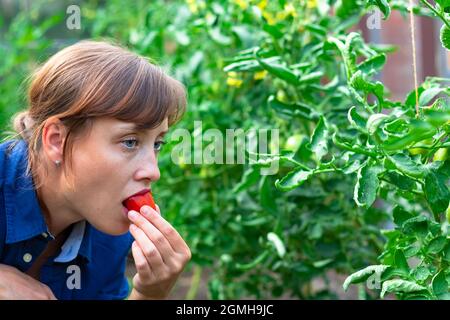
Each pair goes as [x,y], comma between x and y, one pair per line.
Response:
[108,123]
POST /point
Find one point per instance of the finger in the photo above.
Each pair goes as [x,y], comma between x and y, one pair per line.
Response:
[167,230]
[52,296]
[157,209]
[141,263]
[149,250]
[153,234]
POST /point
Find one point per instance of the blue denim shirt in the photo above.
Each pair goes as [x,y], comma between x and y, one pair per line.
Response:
[91,264]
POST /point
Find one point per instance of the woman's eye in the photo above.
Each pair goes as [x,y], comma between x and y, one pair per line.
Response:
[159,145]
[130,143]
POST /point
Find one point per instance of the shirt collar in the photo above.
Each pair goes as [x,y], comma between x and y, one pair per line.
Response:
[78,243]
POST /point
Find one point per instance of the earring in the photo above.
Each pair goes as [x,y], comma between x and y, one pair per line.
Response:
[58,162]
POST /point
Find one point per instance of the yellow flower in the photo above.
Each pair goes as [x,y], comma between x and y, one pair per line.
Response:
[290,10]
[232,82]
[271,20]
[241,3]
[262,4]
[260,75]
[281,15]
[311,4]
[192,4]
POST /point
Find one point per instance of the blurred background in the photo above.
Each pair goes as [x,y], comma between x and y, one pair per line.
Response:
[227,212]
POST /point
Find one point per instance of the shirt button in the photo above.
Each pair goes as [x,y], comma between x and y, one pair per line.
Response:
[45,235]
[27,257]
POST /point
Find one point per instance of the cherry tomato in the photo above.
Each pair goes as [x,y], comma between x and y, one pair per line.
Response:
[136,202]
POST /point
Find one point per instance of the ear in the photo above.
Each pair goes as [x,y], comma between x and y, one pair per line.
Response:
[53,138]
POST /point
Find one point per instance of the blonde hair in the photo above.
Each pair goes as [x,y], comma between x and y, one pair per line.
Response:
[93,79]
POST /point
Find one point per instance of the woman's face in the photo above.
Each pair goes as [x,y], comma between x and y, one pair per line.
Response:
[111,163]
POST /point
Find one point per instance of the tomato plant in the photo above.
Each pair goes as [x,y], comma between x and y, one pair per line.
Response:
[363,185]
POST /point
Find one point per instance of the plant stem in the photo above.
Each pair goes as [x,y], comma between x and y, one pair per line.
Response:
[436,12]
[195,283]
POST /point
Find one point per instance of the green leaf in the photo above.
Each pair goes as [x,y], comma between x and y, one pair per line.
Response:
[279,71]
[358,82]
[245,65]
[417,226]
[411,97]
[322,263]
[273,30]
[398,285]
[299,110]
[373,64]
[422,273]
[266,196]
[405,165]
[426,96]
[437,245]
[445,36]
[401,215]
[311,77]
[363,274]
[293,179]
[401,181]
[355,118]
[383,5]
[436,192]
[418,130]
[219,37]
[346,8]
[366,187]
[319,139]
[397,127]
[274,239]
[258,260]
[316,29]
[250,177]
[400,261]
[440,286]
[437,118]
[374,122]
[447,252]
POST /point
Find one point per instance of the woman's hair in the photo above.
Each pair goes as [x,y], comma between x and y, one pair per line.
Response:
[93,79]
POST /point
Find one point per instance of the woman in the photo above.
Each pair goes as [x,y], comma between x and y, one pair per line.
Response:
[89,141]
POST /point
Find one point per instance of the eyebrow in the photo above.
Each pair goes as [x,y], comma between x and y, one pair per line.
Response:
[135,127]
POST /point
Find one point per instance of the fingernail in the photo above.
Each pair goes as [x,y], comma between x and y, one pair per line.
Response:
[132,215]
[145,210]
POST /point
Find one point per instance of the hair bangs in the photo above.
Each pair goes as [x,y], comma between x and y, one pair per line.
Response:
[151,98]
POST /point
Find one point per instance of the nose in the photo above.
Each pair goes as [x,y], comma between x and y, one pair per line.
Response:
[148,169]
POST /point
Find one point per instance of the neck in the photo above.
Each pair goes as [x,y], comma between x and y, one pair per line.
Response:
[55,207]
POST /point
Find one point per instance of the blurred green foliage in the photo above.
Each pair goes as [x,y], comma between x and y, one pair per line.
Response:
[347,188]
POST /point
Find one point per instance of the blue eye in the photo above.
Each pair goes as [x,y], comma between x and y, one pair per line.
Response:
[130,143]
[159,145]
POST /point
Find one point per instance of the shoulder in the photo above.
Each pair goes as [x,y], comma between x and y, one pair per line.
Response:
[12,154]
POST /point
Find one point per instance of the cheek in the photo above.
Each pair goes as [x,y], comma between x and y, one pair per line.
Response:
[100,170]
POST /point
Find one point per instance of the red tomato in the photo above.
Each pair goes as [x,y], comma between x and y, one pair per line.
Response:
[136,202]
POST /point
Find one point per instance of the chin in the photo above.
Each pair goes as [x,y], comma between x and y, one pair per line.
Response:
[117,229]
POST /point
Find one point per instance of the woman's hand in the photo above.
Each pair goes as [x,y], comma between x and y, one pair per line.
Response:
[159,252]
[16,285]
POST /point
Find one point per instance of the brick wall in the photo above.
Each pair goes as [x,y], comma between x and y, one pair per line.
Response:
[432,60]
